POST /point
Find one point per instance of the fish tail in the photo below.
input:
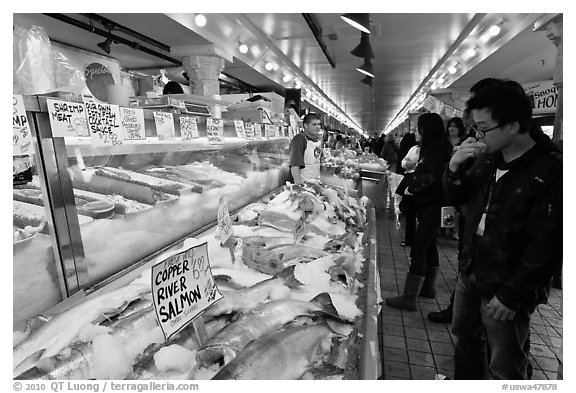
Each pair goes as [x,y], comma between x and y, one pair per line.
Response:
[325,302]
[288,277]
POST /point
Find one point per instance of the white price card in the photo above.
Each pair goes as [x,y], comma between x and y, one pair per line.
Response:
[164,125]
[188,128]
[132,121]
[249,129]
[183,287]
[268,131]
[290,132]
[67,118]
[225,229]
[215,130]
[239,126]
[104,123]
[258,130]
[22,139]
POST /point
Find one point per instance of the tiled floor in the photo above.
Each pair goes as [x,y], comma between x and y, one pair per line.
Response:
[412,347]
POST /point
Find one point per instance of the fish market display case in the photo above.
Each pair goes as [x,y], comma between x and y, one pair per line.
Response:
[94,218]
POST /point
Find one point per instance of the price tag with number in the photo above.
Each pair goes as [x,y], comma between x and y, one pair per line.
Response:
[104,123]
[164,125]
[215,130]
[188,128]
[22,137]
[239,126]
[132,120]
[67,118]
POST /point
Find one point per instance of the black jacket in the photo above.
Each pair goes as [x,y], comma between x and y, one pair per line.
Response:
[426,185]
[521,246]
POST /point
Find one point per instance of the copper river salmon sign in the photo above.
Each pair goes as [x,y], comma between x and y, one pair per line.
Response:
[182,288]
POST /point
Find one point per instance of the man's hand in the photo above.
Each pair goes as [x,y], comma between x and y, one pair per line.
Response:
[468,149]
[499,312]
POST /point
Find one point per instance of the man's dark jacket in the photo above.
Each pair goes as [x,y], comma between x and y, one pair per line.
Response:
[521,246]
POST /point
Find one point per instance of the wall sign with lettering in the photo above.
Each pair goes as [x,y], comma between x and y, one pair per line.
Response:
[98,76]
[239,126]
[543,95]
[215,130]
[67,118]
[188,128]
[132,121]
[164,125]
[104,123]
[182,288]
[22,136]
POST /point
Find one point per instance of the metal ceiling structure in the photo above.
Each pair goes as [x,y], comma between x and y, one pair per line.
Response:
[414,53]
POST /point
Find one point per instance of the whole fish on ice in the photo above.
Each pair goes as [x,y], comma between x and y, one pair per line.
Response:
[271,260]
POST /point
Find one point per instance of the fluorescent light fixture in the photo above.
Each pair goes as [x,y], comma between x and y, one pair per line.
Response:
[367,68]
[200,20]
[359,21]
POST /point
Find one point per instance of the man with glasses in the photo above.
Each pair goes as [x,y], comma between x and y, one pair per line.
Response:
[305,151]
[513,234]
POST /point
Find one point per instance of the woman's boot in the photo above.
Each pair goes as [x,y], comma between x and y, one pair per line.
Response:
[429,286]
[407,301]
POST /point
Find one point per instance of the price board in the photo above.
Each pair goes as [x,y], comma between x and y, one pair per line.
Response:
[189,128]
[104,123]
[67,118]
[22,135]
[239,126]
[132,121]
[215,130]
[182,288]
[164,125]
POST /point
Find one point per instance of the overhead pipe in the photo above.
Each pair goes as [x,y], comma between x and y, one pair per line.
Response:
[106,34]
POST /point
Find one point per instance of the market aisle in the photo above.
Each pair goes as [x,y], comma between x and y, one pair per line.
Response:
[412,347]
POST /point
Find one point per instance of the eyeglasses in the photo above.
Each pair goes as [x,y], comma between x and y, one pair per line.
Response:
[484,131]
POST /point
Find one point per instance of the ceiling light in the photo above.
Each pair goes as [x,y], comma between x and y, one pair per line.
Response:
[359,21]
[200,20]
[364,49]
[434,86]
[366,68]
[368,80]
[452,69]
[469,53]
[286,78]
[105,45]
[494,30]
[243,48]
[269,66]
[441,79]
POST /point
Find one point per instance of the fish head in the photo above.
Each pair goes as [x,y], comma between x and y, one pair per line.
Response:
[215,355]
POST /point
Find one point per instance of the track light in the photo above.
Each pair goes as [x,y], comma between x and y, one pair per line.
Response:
[368,80]
[364,49]
[367,68]
[243,48]
[105,45]
[359,21]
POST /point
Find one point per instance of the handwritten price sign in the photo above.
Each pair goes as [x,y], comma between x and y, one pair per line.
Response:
[239,126]
[164,125]
[132,120]
[215,130]
[268,131]
[22,140]
[249,129]
[258,130]
[104,123]
[188,128]
[225,229]
[67,118]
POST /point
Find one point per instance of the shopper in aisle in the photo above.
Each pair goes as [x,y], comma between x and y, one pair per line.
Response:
[406,143]
[408,208]
[426,187]
[513,234]
[305,151]
[389,152]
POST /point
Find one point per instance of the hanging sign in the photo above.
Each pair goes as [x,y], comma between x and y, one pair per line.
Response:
[182,288]
[239,126]
[188,128]
[268,131]
[249,130]
[258,130]
[104,123]
[22,136]
[543,95]
[67,118]
[164,125]
[215,130]
[225,229]
[433,104]
[132,121]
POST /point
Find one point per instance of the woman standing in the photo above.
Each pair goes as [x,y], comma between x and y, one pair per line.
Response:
[435,152]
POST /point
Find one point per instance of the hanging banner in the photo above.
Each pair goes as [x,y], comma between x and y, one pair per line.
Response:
[249,130]
[164,126]
[67,118]
[104,123]
[258,130]
[239,126]
[215,130]
[22,136]
[188,128]
[132,120]
[182,288]
[543,95]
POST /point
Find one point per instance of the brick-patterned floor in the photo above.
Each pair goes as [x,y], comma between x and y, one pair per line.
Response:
[412,347]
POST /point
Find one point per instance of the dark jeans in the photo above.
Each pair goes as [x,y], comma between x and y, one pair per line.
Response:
[410,218]
[474,330]
[424,250]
